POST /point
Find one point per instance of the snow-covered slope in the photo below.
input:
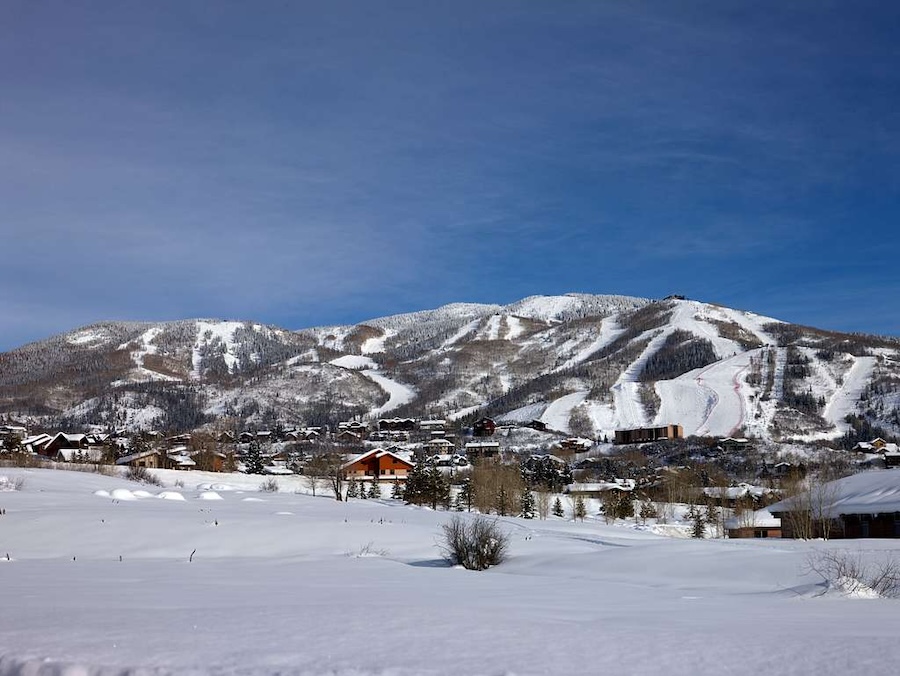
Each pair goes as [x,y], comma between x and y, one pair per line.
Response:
[105,576]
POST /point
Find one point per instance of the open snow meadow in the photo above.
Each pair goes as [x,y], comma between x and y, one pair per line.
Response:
[100,575]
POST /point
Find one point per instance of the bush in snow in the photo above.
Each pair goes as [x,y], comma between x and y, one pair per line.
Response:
[475,544]
[142,475]
[269,486]
[7,484]
[848,572]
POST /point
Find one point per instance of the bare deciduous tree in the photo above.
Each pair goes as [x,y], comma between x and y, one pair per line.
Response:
[543,504]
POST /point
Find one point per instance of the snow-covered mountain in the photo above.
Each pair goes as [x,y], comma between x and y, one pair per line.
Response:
[584,364]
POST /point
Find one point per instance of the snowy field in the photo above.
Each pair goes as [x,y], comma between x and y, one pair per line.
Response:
[99,581]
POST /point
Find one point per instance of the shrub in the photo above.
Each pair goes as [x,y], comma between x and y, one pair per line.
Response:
[142,475]
[7,484]
[474,544]
[269,486]
[848,572]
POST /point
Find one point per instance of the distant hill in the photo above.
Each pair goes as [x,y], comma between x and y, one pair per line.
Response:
[583,364]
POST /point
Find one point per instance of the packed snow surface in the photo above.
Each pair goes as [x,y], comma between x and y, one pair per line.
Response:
[354,361]
[398,393]
[294,585]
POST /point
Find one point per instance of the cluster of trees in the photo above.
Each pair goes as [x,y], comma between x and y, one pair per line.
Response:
[681,352]
[542,472]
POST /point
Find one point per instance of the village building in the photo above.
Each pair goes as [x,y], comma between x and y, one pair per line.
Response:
[753,524]
[378,465]
[645,434]
[484,427]
[482,449]
[62,441]
[864,505]
[597,489]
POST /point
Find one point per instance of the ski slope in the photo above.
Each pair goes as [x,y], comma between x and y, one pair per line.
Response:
[398,393]
[712,401]
[846,399]
[557,415]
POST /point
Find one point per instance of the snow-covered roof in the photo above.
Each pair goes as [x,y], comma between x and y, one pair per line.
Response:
[600,486]
[871,492]
[37,439]
[280,470]
[88,454]
[125,459]
[735,492]
[761,518]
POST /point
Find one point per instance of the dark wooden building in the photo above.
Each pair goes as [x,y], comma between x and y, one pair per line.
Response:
[645,434]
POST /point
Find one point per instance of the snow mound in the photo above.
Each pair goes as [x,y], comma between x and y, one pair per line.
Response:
[252,500]
[216,487]
[851,588]
[171,495]
[122,494]
[209,495]
[102,494]
[142,494]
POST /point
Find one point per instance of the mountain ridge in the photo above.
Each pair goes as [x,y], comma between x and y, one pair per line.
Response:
[584,364]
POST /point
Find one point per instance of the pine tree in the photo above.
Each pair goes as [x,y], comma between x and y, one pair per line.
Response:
[397,490]
[465,495]
[459,503]
[698,522]
[363,495]
[253,460]
[416,491]
[438,488]
[352,489]
[580,508]
[375,491]
[558,508]
[527,505]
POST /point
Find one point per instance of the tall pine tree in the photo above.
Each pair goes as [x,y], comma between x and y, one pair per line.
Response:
[253,461]
[527,505]
[558,508]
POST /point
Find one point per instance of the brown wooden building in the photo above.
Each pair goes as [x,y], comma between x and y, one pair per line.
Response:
[379,465]
[644,434]
[864,505]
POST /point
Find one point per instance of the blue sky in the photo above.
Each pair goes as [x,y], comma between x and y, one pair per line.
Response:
[307,163]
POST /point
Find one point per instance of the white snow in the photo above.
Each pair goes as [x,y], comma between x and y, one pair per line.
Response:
[557,414]
[711,401]
[84,337]
[463,331]
[376,345]
[354,362]
[492,328]
[514,328]
[609,331]
[208,332]
[398,393]
[298,585]
[145,347]
[846,399]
